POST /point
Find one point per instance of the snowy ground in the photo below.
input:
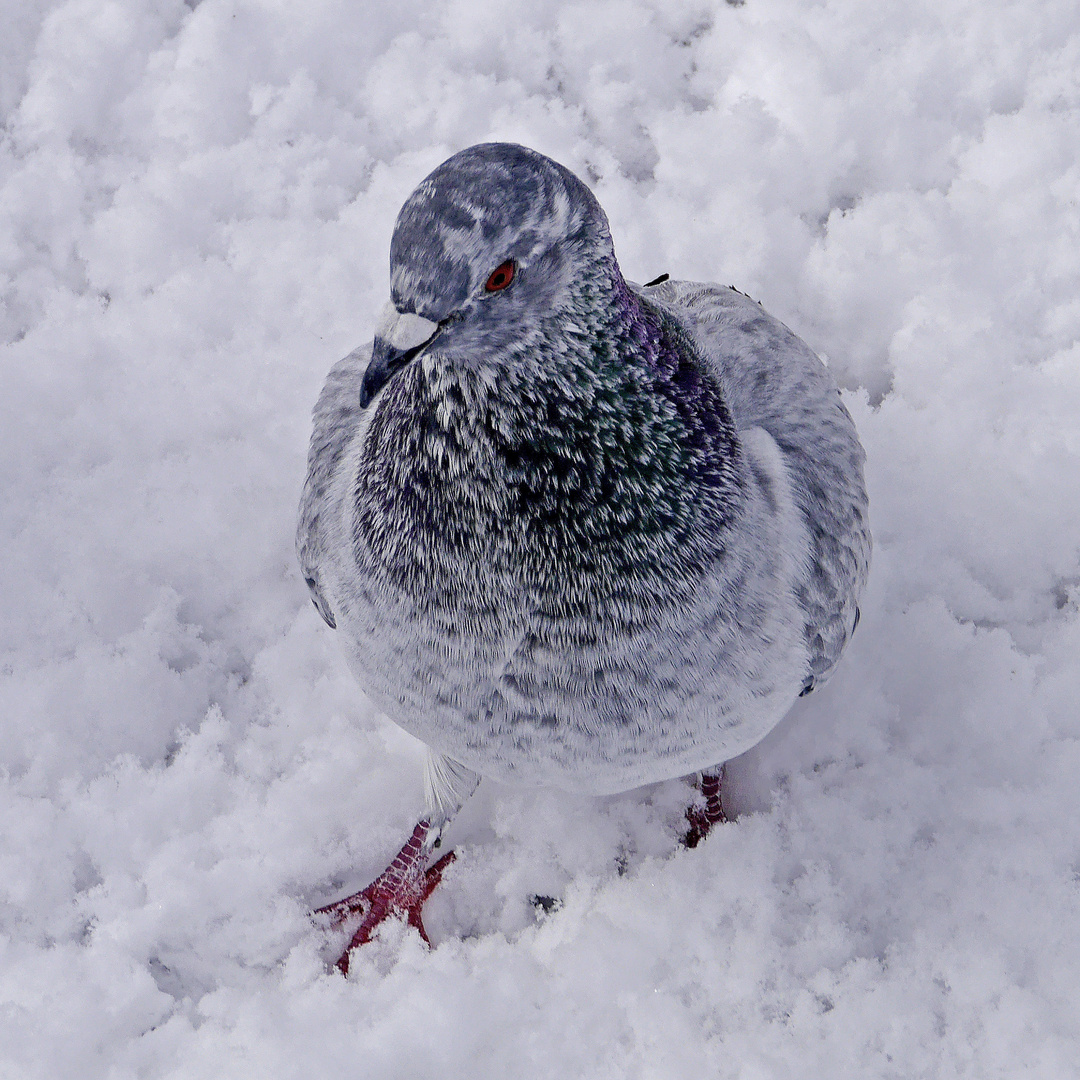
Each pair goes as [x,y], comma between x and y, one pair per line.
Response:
[196,207]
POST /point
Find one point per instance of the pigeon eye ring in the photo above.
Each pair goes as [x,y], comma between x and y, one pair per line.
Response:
[500,277]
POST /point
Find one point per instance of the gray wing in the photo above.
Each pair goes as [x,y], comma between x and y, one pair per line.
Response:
[335,420]
[773,380]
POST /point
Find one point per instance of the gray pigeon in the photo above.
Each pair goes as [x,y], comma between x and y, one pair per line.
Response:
[573,532]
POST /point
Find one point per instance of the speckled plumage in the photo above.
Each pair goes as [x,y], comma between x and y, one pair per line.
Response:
[589,535]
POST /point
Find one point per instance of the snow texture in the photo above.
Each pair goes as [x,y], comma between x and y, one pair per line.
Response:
[196,205]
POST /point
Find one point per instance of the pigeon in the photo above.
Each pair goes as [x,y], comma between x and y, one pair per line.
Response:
[572,532]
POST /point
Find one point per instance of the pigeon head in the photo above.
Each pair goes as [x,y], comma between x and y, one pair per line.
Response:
[486,206]
[489,245]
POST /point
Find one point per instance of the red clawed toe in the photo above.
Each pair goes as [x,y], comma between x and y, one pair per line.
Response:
[400,890]
[703,817]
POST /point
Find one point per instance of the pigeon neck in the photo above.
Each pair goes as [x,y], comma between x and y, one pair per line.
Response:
[671,374]
[601,445]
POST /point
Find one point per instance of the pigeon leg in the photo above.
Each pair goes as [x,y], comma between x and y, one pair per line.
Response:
[703,818]
[400,890]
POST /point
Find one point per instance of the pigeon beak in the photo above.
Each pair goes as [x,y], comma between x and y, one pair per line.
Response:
[400,336]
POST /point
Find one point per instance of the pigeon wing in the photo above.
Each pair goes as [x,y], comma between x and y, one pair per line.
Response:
[774,381]
[335,420]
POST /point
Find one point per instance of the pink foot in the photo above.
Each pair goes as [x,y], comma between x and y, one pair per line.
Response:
[703,818]
[400,889]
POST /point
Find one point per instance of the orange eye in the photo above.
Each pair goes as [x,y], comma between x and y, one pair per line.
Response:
[501,276]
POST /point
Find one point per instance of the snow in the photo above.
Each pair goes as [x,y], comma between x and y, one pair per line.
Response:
[196,208]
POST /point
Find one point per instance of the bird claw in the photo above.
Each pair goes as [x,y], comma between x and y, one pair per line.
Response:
[703,817]
[399,891]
